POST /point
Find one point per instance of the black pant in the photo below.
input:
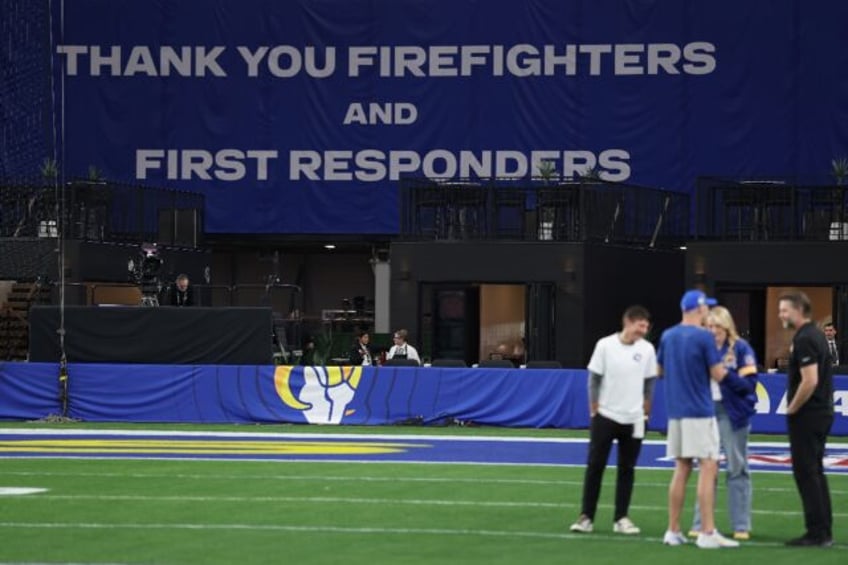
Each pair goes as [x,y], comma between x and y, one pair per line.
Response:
[807,436]
[602,433]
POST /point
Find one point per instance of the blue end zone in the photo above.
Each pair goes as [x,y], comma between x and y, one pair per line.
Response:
[353,448]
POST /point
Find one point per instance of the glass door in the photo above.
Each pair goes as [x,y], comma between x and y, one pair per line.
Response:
[455,322]
[541,322]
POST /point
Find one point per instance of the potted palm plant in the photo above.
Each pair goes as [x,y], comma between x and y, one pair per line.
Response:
[839,169]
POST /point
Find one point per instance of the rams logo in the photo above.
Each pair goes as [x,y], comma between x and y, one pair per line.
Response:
[763,400]
[325,393]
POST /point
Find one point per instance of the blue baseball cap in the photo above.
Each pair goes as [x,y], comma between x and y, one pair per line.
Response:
[695,298]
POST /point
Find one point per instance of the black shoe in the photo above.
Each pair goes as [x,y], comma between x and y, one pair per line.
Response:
[810,541]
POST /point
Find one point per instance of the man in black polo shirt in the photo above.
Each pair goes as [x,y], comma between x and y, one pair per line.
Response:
[809,416]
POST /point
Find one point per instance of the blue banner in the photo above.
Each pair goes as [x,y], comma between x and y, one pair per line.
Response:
[339,395]
[300,116]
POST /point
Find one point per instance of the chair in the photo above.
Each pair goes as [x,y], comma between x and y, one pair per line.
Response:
[558,213]
[823,214]
[495,364]
[777,212]
[763,209]
[510,207]
[430,211]
[543,365]
[401,363]
[740,216]
[448,363]
[466,210]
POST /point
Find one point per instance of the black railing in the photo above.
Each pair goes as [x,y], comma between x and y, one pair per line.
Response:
[771,210]
[537,210]
[102,211]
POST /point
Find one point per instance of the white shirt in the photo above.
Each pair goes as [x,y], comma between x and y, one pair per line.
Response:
[411,352]
[715,390]
[624,368]
[366,355]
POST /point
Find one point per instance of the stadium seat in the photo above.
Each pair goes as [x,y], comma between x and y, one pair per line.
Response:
[448,363]
[544,365]
[495,364]
[401,362]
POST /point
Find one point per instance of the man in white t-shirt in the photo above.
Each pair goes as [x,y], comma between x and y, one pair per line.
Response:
[622,373]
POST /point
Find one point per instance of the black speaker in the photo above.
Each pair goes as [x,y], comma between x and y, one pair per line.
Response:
[180,226]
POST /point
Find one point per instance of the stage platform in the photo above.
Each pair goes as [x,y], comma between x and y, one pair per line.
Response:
[165,335]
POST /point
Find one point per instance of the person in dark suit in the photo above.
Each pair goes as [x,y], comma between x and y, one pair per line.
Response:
[361,352]
[182,294]
[832,343]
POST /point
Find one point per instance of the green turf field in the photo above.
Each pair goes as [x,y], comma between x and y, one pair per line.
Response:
[230,512]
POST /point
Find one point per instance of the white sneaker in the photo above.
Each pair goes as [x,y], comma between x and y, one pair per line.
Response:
[714,541]
[674,538]
[625,526]
[583,525]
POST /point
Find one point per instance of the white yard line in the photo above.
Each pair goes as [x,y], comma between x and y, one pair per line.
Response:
[358,531]
[348,478]
[380,501]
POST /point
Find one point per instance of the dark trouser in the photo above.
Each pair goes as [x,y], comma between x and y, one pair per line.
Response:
[602,433]
[807,436]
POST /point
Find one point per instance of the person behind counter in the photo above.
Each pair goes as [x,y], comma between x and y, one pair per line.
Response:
[183,294]
[361,352]
[401,349]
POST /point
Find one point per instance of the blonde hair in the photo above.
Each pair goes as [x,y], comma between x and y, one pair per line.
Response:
[720,316]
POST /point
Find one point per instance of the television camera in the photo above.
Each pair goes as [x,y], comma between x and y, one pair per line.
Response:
[144,270]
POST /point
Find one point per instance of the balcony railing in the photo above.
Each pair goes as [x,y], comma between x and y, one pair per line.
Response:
[535,210]
[102,211]
[773,209]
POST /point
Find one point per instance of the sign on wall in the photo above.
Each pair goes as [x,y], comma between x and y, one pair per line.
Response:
[342,395]
[300,116]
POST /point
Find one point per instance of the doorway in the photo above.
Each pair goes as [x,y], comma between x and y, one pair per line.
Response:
[451,334]
[477,321]
[754,309]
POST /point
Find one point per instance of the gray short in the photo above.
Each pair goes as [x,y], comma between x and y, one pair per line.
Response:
[693,438]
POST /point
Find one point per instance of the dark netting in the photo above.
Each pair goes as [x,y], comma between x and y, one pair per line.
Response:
[26,125]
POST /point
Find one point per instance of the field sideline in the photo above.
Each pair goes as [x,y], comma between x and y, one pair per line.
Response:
[149,499]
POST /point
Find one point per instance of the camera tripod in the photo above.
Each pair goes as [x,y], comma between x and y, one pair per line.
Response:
[149,300]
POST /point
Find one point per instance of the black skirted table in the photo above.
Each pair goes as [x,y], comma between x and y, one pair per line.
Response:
[163,335]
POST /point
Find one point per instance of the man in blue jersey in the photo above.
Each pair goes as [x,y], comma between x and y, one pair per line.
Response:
[687,360]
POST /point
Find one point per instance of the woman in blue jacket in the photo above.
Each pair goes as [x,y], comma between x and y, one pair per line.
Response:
[735,401]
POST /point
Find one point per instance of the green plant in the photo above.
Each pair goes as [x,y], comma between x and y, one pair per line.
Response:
[547,170]
[591,173]
[323,349]
[49,169]
[94,174]
[839,169]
